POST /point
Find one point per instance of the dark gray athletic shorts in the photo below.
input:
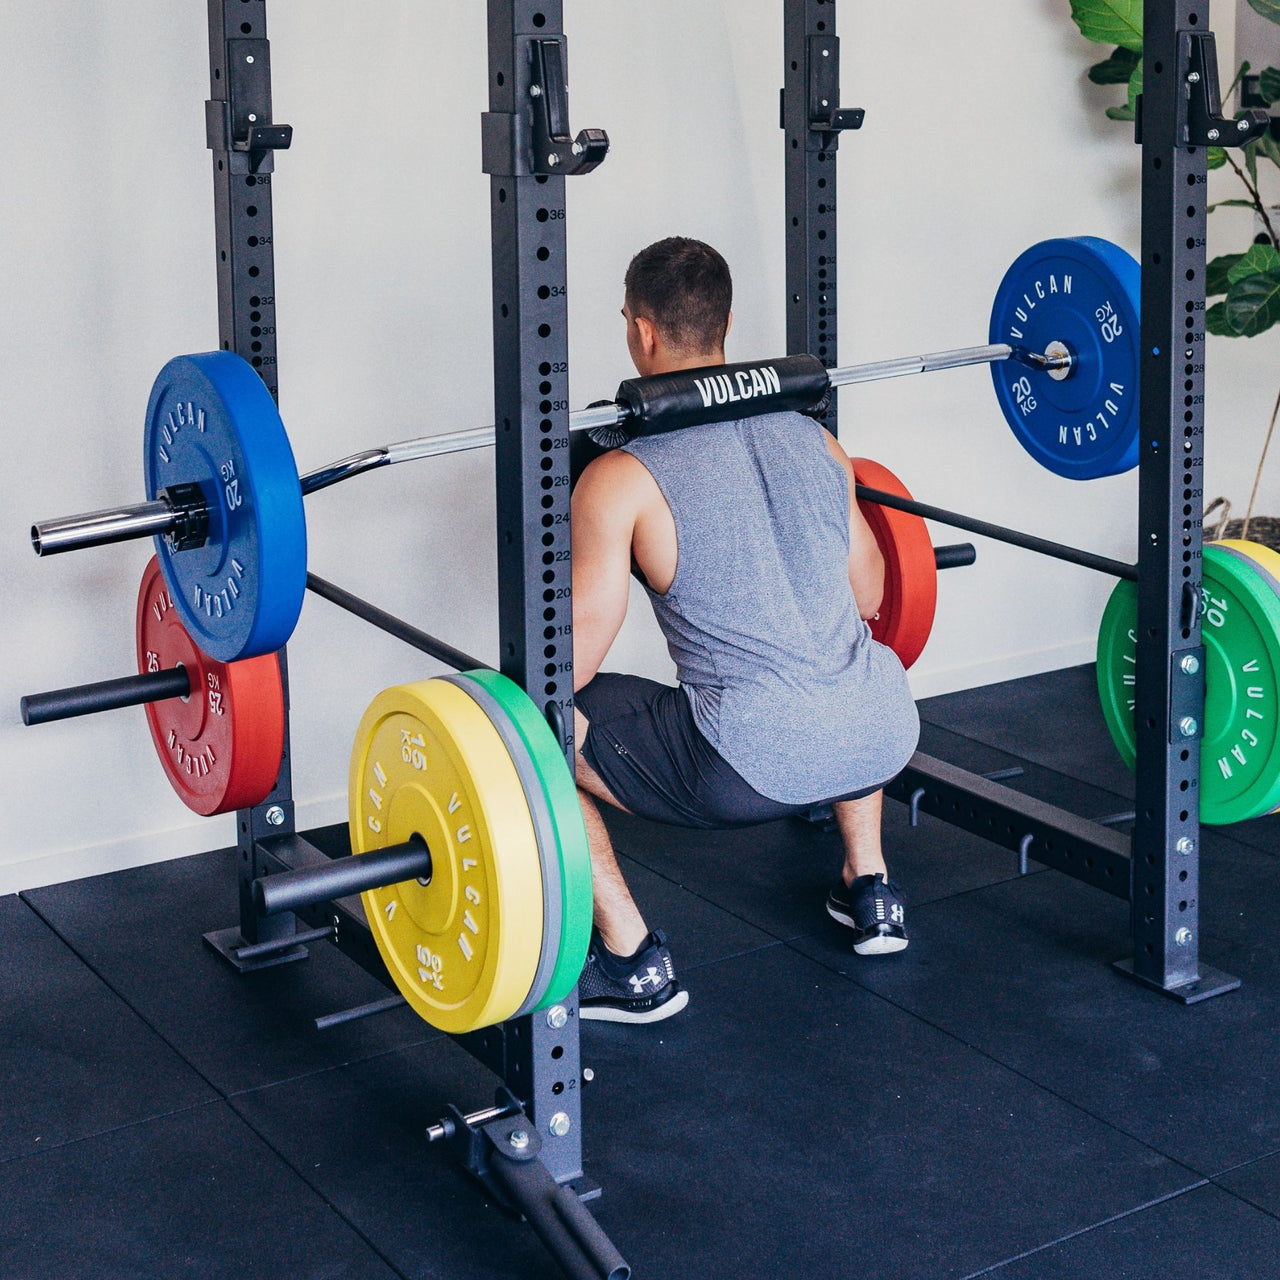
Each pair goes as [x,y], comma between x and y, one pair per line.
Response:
[643,742]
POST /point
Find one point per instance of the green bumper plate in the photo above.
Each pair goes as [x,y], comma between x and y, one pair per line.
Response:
[566,816]
[1240,624]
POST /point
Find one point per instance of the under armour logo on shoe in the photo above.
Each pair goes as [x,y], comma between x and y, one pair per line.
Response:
[638,980]
[896,913]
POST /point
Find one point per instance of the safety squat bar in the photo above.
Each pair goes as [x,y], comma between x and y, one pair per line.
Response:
[183,513]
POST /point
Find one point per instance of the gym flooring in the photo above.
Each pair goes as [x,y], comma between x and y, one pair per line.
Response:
[996,1101]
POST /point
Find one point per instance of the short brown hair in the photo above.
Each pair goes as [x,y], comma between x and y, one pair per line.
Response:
[684,288]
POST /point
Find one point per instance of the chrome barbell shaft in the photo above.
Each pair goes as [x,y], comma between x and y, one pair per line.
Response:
[612,415]
[437,445]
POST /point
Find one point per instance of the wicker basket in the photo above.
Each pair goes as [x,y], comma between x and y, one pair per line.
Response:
[1264,529]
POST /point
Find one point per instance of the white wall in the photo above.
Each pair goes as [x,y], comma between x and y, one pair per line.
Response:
[981,138]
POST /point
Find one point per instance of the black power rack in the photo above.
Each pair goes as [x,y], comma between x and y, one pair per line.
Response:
[1157,870]
[527,1148]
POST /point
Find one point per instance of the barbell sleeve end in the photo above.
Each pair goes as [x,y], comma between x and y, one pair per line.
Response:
[98,528]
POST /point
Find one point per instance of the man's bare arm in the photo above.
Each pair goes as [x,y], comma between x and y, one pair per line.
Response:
[866,564]
[604,517]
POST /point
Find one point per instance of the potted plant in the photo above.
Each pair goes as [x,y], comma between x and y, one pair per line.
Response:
[1248,281]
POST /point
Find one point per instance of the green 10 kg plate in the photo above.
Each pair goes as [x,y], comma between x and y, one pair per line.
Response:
[561,794]
[1240,625]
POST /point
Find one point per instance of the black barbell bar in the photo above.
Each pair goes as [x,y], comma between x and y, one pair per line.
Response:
[311,886]
[650,405]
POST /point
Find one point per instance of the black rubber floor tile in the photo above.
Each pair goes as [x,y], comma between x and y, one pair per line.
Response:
[74,1059]
[776,876]
[1053,719]
[141,930]
[193,1196]
[1022,971]
[1203,1234]
[1258,1183]
[699,933]
[1261,833]
[357,1134]
[1239,894]
[788,1123]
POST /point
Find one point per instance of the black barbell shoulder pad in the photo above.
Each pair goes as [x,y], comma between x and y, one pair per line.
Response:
[720,393]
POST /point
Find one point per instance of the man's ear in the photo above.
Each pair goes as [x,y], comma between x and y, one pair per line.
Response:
[647,332]
[728,324]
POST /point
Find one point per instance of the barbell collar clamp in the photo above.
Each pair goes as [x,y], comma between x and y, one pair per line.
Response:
[311,886]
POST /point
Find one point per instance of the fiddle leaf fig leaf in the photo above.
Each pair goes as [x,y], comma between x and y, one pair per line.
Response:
[1253,304]
[1116,22]
[1259,259]
[1268,8]
[1215,321]
[1116,69]
[1216,279]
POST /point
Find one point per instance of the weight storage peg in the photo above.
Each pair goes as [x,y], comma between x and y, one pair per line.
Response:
[218,728]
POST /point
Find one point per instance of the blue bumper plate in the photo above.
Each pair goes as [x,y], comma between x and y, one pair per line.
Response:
[1082,294]
[212,422]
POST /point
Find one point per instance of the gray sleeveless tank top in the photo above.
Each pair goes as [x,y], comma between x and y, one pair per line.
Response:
[782,674]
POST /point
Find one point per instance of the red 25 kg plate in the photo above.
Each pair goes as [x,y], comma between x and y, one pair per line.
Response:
[221,746]
[910,570]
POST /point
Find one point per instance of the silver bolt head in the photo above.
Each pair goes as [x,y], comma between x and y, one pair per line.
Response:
[553,159]
[588,1075]
[1214,135]
[519,1139]
[1191,664]
[1185,845]
[1242,125]
[557,1016]
[1193,78]
[249,57]
[1188,727]
[275,816]
[535,91]
[560,1124]
[1183,937]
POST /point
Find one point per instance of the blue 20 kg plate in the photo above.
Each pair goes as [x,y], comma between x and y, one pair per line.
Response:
[1084,294]
[212,422]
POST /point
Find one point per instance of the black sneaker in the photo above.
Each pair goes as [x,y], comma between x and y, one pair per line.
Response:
[873,908]
[638,988]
